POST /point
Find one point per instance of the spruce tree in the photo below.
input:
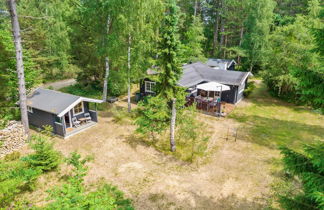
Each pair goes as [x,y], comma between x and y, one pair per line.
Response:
[169,61]
[308,166]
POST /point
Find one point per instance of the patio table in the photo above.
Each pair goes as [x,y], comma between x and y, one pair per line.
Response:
[82,119]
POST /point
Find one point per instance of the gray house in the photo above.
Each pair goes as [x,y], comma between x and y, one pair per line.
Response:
[221,64]
[199,73]
[67,114]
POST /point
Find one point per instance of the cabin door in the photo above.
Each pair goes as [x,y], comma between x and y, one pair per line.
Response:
[67,118]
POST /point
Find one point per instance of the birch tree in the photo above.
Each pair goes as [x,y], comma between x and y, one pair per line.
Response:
[172,125]
[106,67]
[19,64]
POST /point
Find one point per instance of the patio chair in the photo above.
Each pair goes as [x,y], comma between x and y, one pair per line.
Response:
[87,117]
[75,122]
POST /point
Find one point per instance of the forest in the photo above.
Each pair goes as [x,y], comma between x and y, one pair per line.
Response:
[108,46]
[280,41]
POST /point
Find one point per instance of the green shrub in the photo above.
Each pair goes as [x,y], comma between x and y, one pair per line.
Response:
[73,195]
[117,83]
[45,157]
[47,131]
[12,156]
[154,116]
[15,177]
[250,87]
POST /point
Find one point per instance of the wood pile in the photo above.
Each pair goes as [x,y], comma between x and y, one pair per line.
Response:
[12,138]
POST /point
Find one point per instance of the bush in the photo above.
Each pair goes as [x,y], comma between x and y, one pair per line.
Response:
[72,195]
[192,136]
[47,131]
[154,116]
[45,157]
[15,178]
[117,83]
[12,156]
[250,87]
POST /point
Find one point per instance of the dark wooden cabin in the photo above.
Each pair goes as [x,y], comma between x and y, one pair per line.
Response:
[198,73]
[67,114]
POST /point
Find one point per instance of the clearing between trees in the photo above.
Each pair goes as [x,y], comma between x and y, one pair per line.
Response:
[233,175]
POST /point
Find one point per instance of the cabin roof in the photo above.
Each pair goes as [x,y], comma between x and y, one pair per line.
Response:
[221,63]
[196,73]
[54,101]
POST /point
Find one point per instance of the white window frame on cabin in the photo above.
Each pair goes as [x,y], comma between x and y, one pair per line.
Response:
[82,106]
[30,109]
[149,86]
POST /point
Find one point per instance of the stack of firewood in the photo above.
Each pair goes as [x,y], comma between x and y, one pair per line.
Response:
[12,138]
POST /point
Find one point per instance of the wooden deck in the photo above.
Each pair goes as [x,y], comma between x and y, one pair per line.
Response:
[75,130]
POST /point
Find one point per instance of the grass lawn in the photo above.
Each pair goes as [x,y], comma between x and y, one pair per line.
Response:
[271,122]
[236,173]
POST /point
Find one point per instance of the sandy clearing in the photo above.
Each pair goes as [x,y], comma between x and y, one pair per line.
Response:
[237,175]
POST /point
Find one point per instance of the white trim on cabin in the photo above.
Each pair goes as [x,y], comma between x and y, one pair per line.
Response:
[81,99]
[82,108]
[245,77]
[151,86]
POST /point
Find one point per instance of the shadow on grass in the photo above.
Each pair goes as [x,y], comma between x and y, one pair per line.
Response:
[196,201]
[272,132]
[133,101]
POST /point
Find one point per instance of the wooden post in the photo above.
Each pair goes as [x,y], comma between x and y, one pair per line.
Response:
[19,64]
[172,127]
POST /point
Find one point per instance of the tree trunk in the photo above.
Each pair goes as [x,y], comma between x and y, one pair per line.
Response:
[104,98]
[172,127]
[128,75]
[19,64]
[222,33]
[223,22]
[105,87]
[225,46]
[240,44]
[215,40]
[196,7]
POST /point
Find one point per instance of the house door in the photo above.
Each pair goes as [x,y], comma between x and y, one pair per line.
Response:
[67,118]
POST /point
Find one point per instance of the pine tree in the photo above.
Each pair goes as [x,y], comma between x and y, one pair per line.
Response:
[309,167]
[45,157]
[192,50]
[257,26]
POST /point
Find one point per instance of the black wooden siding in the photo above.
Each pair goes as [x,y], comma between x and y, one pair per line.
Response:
[232,96]
[40,118]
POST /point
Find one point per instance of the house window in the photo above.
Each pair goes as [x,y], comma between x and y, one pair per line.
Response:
[149,86]
[29,109]
[78,109]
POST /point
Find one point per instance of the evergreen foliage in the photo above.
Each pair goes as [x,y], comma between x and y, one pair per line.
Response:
[73,195]
[169,46]
[20,175]
[309,168]
[45,157]
[191,49]
[154,116]
[257,25]
[293,67]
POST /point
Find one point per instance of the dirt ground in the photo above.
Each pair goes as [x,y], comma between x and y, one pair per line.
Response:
[234,175]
